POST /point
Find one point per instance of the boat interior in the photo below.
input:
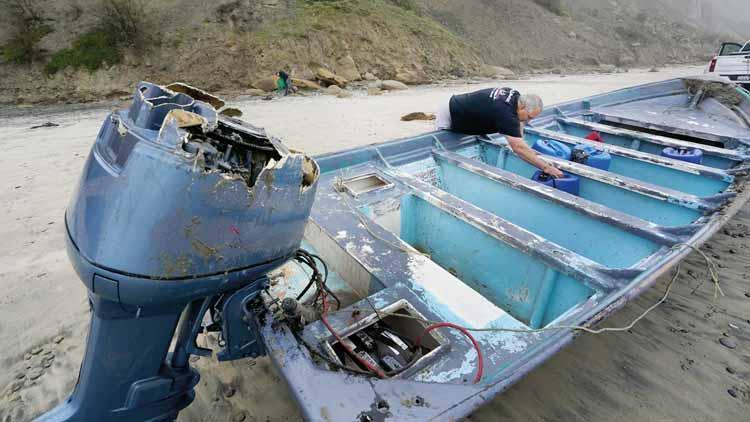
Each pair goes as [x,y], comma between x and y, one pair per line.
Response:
[449,227]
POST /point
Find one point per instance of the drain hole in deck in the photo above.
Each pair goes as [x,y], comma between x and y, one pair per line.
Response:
[363,184]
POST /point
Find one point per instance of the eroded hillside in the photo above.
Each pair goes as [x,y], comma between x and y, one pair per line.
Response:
[80,50]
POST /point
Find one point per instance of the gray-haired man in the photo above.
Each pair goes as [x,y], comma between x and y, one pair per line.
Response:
[501,110]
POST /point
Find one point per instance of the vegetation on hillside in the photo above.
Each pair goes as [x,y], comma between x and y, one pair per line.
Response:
[27,27]
[376,28]
[107,45]
[121,24]
[344,20]
[91,51]
[555,6]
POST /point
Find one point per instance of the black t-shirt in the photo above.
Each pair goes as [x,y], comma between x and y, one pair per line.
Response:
[486,111]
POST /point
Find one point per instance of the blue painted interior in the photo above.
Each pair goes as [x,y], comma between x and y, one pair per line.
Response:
[521,285]
[609,245]
[642,206]
[659,175]
[642,145]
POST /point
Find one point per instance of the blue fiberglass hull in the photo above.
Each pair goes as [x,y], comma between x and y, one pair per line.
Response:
[452,228]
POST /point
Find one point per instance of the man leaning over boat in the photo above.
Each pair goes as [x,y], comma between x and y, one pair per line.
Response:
[491,110]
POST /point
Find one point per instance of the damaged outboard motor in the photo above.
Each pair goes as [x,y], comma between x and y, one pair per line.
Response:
[178,216]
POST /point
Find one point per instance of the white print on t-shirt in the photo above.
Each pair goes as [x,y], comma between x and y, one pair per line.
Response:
[498,93]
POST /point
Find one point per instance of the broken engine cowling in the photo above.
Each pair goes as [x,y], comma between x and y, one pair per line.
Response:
[180,212]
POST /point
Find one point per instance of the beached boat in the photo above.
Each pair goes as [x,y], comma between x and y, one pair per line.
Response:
[448,228]
[434,272]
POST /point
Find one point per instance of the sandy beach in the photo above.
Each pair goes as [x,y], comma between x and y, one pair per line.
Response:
[670,367]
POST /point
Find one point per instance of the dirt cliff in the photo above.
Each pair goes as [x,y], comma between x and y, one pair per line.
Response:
[82,50]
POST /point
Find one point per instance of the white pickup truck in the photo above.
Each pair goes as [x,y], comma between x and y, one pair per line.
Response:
[733,63]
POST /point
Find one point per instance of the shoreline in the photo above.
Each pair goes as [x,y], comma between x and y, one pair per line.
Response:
[13,109]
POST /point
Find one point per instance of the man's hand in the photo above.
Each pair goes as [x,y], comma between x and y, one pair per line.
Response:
[530,156]
[553,171]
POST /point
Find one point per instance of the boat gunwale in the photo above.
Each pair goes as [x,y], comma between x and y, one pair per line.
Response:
[729,154]
[606,117]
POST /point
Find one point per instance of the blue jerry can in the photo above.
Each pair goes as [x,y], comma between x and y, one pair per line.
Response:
[691,155]
[553,148]
[591,156]
[570,183]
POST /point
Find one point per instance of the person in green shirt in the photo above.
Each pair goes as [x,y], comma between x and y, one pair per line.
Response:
[283,83]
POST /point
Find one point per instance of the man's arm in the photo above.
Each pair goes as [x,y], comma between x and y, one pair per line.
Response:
[530,156]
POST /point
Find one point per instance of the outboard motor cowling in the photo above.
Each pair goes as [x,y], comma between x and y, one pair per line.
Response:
[179,211]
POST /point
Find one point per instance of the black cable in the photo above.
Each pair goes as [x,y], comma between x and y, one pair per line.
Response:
[302,256]
[325,279]
[309,284]
[325,266]
[309,259]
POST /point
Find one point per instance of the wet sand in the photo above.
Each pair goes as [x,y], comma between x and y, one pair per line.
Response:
[669,367]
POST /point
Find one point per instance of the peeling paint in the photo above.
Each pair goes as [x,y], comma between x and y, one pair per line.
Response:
[207,252]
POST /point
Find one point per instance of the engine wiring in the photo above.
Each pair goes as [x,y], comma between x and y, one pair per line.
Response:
[319,281]
[323,318]
[323,291]
[304,257]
